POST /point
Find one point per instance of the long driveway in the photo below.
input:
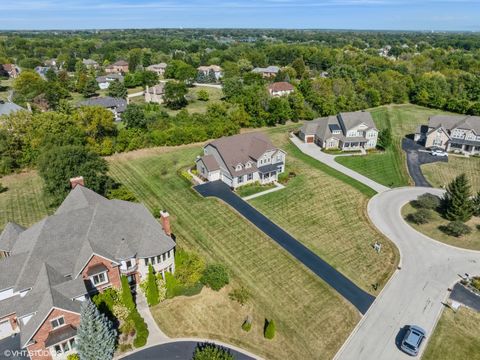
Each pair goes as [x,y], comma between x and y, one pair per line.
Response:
[415,293]
[359,298]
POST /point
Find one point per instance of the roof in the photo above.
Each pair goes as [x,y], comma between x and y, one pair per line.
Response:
[210,162]
[215,68]
[269,69]
[109,77]
[89,62]
[61,334]
[97,269]
[157,89]
[450,122]
[240,149]
[157,66]
[9,235]
[106,102]
[120,63]
[353,119]
[7,108]
[280,86]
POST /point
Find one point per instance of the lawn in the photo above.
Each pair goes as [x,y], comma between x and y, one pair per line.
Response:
[312,320]
[456,337]
[5,86]
[389,167]
[254,188]
[431,229]
[440,174]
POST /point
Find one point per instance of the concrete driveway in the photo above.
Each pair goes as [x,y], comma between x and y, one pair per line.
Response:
[351,292]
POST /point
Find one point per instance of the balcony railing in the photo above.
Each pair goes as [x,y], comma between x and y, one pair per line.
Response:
[129,269]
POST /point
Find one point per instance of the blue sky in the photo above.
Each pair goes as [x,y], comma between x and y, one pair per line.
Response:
[319,14]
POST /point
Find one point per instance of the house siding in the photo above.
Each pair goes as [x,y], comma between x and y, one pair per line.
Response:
[113,272]
[441,136]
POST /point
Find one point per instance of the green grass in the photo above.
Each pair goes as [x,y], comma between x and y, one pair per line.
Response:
[456,337]
[5,86]
[389,168]
[254,188]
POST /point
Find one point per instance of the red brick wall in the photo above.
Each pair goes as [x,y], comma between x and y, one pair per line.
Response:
[113,272]
[13,320]
[36,350]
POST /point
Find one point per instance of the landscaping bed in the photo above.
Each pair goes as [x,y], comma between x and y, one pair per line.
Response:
[252,189]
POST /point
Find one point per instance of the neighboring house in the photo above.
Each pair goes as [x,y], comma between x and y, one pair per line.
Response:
[241,159]
[12,70]
[281,88]
[159,69]
[345,131]
[116,105]
[155,93]
[267,72]
[119,67]
[460,133]
[105,81]
[80,250]
[90,64]
[42,70]
[6,108]
[205,70]
[50,63]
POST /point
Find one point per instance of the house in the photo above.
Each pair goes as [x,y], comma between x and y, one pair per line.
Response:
[105,81]
[241,159]
[80,250]
[155,93]
[345,131]
[50,63]
[116,105]
[281,88]
[459,133]
[119,67]
[159,69]
[90,64]
[7,108]
[11,69]
[267,72]
[42,71]
[215,69]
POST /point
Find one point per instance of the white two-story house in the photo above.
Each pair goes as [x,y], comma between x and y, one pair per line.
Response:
[241,159]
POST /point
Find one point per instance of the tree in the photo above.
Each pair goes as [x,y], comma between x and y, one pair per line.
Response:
[95,336]
[299,66]
[208,351]
[134,117]
[269,332]
[135,57]
[90,88]
[117,89]
[422,216]
[215,276]
[28,85]
[384,138]
[152,293]
[279,109]
[59,164]
[458,205]
[175,94]
[97,122]
[427,201]
[476,204]
[202,95]
[127,298]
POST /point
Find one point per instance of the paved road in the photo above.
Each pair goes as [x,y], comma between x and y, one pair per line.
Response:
[414,294]
[464,296]
[180,350]
[359,298]
[416,158]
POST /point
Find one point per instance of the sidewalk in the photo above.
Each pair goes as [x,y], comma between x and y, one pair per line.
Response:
[155,336]
[276,188]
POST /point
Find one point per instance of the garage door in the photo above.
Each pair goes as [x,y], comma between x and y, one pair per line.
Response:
[309,139]
[5,328]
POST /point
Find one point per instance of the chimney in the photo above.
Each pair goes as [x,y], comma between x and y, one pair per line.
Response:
[77,181]
[165,217]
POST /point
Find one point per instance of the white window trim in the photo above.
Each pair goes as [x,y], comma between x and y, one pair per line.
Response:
[57,318]
[100,283]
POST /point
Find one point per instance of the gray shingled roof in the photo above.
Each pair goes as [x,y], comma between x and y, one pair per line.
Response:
[9,235]
[106,102]
[210,162]
[353,119]
[450,122]
[7,108]
[269,69]
[110,77]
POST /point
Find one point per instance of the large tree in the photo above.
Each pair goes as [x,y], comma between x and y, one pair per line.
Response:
[134,117]
[117,89]
[96,336]
[175,94]
[28,85]
[458,204]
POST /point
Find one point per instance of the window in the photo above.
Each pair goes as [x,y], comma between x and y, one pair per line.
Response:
[99,279]
[169,254]
[65,346]
[146,262]
[279,157]
[57,322]
[159,259]
[164,257]
[128,264]
[240,179]
[249,177]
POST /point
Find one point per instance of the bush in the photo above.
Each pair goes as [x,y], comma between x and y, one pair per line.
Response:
[202,95]
[476,283]
[427,201]
[174,288]
[121,193]
[208,351]
[120,311]
[151,292]
[106,302]
[241,295]
[247,324]
[2,188]
[124,348]
[141,329]
[456,228]
[73,357]
[189,267]
[215,276]
[421,216]
[269,331]
[126,296]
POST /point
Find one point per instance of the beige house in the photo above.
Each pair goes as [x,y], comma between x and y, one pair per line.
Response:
[118,67]
[345,131]
[281,88]
[205,70]
[155,93]
[159,69]
[458,133]
[268,72]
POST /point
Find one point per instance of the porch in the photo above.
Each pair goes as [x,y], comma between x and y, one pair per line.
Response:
[269,173]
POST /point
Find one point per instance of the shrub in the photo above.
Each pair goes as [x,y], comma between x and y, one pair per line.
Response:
[121,193]
[208,351]
[189,267]
[106,301]
[73,357]
[476,283]
[128,327]
[456,228]
[241,295]
[151,290]
[247,324]
[427,201]
[421,216]
[141,329]
[215,276]
[202,95]
[126,296]
[269,331]
[124,348]
[478,227]
[120,311]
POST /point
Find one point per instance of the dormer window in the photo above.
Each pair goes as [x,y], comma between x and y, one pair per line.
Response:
[239,167]
[248,165]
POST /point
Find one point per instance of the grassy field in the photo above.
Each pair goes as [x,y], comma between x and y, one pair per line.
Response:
[251,189]
[312,321]
[389,168]
[440,174]
[456,337]
[431,229]
[5,86]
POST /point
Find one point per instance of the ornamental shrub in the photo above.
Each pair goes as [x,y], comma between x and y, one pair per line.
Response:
[151,290]
[208,351]
[269,332]
[421,216]
[427,201]
[215,276]
[241,295]
[456,228]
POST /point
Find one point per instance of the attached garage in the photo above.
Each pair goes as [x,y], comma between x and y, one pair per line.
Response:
[309,139]
[5,328]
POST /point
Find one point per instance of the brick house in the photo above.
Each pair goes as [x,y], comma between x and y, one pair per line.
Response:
[48,269]
[118,67]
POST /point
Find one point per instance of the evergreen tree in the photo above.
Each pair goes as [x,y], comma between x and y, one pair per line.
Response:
[152,288]
[269,330]
[90,88]
[95,336]
[117,89]
[476,205]
[458,205]
[127,298]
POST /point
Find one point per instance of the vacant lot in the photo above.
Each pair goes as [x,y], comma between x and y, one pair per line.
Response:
[431,229]
[389,167]
[440,174]
[312,320]
[456,337]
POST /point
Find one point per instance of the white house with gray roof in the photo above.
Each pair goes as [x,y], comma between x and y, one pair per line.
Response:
[241,159]
[48,269]
[345,131]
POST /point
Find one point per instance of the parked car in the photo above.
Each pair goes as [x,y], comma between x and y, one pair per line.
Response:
[439,153]
[413,339]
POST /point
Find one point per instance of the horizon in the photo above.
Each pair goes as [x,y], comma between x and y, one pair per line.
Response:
[334,15]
